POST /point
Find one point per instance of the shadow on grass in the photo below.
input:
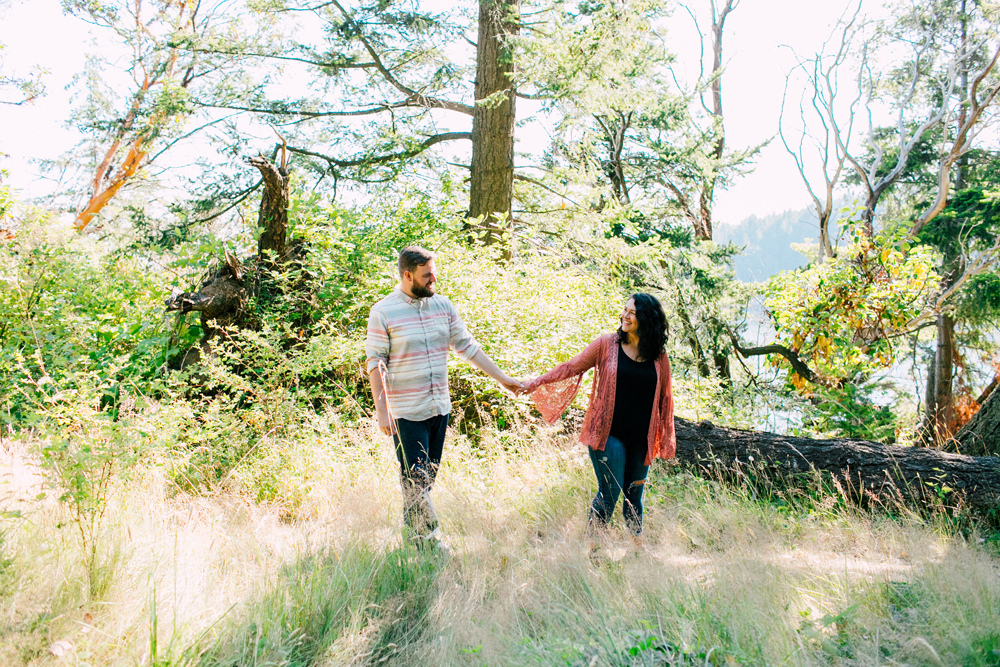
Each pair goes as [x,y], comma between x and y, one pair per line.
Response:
[354,605]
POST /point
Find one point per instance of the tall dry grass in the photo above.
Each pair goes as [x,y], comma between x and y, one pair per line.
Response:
[319,575]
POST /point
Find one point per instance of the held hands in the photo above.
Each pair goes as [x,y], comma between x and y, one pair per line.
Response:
[516,387]
[513,386]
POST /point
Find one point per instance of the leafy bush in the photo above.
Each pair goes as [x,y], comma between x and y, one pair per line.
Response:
[66,315]
[842,316]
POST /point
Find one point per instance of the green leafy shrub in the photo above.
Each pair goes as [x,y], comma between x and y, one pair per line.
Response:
[86,455]
[842,316]
[66,315]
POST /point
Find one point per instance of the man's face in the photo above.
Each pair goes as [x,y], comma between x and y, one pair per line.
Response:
[423,279]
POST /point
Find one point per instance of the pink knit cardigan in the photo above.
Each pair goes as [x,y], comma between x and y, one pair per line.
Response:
[554,391]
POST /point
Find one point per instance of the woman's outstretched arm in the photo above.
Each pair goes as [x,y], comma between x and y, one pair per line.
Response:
[554,391]
[578,365]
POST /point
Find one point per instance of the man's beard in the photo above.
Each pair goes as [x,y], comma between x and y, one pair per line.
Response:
[422,291]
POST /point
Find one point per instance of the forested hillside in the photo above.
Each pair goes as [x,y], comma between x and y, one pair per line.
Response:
[768,242]
[193,471]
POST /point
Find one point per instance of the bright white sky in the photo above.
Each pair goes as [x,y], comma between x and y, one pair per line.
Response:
[758,36]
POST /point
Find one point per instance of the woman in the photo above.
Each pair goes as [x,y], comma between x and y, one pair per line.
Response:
[630,419]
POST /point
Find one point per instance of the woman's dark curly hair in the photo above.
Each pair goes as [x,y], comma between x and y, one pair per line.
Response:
[653,327]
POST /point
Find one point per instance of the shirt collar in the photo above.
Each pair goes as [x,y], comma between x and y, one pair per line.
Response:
[413,301]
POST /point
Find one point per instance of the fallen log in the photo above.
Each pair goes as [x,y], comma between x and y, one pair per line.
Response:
[865,470]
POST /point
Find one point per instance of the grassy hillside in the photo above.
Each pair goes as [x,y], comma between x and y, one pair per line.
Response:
[724,577]
[246,512]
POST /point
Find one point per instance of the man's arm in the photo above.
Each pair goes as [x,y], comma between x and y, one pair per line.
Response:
[482,361]
[463,343]
[377,352]
[378,391]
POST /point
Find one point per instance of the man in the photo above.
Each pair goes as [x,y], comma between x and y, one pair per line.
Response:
[409,333]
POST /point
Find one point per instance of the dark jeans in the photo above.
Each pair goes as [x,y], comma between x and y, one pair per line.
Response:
[418,449]
[618,469]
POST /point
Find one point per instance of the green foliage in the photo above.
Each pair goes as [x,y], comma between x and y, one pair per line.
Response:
[86,455]
[851,412]
[354,252]
[631,142]
[66,315]
[528,315]
[18,89]
[842,316]
[969,224]
[7,201]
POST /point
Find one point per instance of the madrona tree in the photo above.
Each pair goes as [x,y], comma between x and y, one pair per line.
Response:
[134,113]
[932,69]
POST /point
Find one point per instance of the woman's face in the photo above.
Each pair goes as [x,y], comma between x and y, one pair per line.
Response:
[630,324]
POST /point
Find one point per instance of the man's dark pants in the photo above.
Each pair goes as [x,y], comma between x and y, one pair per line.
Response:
[418,448]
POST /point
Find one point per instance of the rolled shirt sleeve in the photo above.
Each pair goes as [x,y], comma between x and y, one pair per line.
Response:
[377,339]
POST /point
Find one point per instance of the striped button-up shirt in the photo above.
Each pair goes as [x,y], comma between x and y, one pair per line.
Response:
[412,337]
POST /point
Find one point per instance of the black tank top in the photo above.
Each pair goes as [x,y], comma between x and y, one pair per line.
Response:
[635,390]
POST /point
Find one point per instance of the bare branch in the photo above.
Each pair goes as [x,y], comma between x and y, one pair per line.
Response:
[961,144]
[528,179]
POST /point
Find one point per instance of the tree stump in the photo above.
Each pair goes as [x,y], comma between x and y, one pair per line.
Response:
[981,435]
[225,292]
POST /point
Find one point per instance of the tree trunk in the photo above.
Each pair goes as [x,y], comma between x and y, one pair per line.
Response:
[944,375]
[865,470]
[703,225]
[226,291]
[939,419]
[614,134]
[868,216]
[273,214]
[491,190]
[927,423]
[981,435]
[825,246]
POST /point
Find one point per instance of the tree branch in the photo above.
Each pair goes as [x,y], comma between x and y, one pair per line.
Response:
[275,56]
[312,114]
[791,356]
[960,145]
[389,157]
[419,98]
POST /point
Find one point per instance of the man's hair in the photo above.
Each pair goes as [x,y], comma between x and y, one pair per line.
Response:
[413,256]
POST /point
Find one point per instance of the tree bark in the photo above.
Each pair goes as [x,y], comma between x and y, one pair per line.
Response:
[491,189]
[866,471]
[944,374]
[939,418]
[273,215]
[224,294]
[614,134]
[825,246]
[981,435]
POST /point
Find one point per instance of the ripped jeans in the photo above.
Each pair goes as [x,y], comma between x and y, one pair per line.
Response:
[618,469]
